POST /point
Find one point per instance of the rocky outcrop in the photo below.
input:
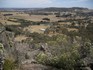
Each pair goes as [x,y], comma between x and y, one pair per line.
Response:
[6,38]
[1,56]
[25,53]
[37,67]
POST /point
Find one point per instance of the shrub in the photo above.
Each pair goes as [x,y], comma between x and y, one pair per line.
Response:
[1,46]
[14,29]
[47,19]
[66,59]
[9,65]
[41,58]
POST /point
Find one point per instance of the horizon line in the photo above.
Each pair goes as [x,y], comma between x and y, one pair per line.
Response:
[47,7]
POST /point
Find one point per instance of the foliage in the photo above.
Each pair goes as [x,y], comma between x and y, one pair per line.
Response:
[46,19]
[89,31]
[1,46]
[9,65]
[14,29]
[61,39]
[52,43]
[37,38]
[67,59]
[41,58]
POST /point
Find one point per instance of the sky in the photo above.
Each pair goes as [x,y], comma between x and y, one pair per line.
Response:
[45,3]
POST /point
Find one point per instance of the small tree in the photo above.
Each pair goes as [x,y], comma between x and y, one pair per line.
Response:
[47,19]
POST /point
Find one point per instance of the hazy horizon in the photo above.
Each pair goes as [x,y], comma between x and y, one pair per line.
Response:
[45,3]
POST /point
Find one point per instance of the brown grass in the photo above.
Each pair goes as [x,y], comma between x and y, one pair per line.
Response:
[36,28]
[19,38]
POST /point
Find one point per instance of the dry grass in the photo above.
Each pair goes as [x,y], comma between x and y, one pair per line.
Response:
[19,38]
[5,22]
[36,18]
[72,29]
[64,23]
[12,23]
[36,28]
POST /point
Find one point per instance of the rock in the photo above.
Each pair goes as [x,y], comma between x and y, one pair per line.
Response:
[42,48]
[86,68]
[6,38]
[31,61]
[1,56]
[37,67]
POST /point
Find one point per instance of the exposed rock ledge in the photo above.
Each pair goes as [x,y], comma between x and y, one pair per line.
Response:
[37,67]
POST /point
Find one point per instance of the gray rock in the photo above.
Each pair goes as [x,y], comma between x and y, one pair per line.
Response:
[37,67]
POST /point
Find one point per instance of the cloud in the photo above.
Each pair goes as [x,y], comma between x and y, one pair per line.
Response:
[77,0]
[28,1]
[82,0]
[44,3]
[35,1]
[25,3]
[40,1]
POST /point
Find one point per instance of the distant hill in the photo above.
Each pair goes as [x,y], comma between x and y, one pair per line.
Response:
[18,9]
[63,9]
[43,9]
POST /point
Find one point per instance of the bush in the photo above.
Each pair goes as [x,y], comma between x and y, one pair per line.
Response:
[66,59]
[41,58]
[52,43]
[14,29]
[9,65]
[1,46]
[47,19]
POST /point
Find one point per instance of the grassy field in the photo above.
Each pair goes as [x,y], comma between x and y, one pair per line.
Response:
[32,17]
[36,28]
[35,18]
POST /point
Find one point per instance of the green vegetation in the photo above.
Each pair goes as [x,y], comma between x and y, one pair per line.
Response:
[1,46]
[46,19]
[14,29]
[9,64]
[63,53]
[67,60]
[42,58]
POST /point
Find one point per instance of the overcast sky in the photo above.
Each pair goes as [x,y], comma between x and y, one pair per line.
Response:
[45,3]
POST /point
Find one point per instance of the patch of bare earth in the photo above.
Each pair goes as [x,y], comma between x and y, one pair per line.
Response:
[19,38]
[36,28]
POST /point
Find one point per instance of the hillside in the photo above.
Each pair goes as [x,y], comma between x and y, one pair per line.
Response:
[46,39]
